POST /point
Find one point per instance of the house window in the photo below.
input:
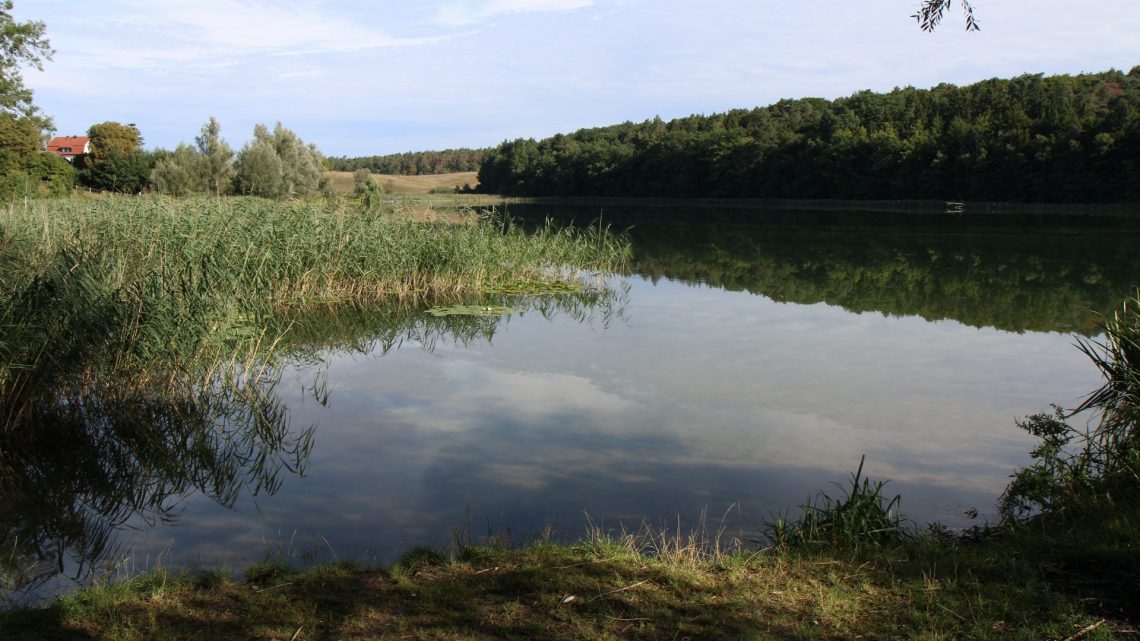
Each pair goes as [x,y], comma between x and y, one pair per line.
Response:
[65,150]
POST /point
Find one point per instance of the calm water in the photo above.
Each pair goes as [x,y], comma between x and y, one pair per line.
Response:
[745,362]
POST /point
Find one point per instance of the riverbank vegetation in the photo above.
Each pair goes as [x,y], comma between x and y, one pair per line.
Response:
[144,336]
[1025,139]
[97,289]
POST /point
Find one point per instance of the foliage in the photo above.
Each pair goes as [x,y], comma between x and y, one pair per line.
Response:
[367,190]
[1031,138]
[206,167]
[126,172]
[113,139]
[1072,467]
[929,15]
[35,175]
[22,127]
[217,157]
[448,161]
[21,43]
[279,165]
[178,173]
[117,161]
[1118,400]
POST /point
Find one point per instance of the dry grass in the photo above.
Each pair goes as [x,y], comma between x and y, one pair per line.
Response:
[601,589]
[405,185]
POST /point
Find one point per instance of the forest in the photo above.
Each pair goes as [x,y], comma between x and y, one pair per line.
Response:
[415,163]
[1032,138]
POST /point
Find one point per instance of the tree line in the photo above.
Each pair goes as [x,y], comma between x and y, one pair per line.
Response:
[274,164]
[415,163]
[1027,139]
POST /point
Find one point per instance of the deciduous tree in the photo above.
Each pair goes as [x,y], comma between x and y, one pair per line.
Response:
[217,158]
[279,165]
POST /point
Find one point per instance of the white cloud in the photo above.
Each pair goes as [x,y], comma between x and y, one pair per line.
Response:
[467,13]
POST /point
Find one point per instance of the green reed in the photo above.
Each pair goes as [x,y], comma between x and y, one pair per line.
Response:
[154,289]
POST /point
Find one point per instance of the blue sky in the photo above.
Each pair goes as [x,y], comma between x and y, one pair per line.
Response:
[362,78]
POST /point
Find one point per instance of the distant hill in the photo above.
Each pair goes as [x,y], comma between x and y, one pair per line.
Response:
[1026,139]
[342,182]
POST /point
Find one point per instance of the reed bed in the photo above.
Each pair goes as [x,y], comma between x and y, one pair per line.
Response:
[301,250]
[159,292]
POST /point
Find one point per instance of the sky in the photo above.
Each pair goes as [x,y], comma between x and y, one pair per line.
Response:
[368,78]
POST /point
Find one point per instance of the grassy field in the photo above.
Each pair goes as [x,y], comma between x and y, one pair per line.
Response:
[342,182]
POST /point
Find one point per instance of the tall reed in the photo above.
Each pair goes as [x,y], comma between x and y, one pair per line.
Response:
[154,287]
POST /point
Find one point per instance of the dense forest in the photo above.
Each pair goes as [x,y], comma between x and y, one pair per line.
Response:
[1026,139]
[415,163]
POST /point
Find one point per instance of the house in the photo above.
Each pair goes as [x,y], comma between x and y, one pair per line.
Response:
[69,146]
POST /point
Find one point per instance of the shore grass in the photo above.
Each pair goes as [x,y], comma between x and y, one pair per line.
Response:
[647,585]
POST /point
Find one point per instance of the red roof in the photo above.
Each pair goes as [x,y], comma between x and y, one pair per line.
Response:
[68,145]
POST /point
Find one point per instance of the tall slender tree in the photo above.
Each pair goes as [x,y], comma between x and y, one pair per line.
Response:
[217,158]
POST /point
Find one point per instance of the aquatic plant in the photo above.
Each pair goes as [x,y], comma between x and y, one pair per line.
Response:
[861,516]
[1073,467]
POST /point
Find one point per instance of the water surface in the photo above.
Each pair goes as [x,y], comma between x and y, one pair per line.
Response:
[745,361]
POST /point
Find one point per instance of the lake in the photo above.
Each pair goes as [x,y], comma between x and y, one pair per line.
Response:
[747,359]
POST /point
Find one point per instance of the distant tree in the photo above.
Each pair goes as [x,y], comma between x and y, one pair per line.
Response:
[180,173]
[302,166]
[19,138]
[258,167]
[371,195]
[117,161]
[217,157]
[930,13]
[56,176]
[126,172]
[279,165]
[113,138]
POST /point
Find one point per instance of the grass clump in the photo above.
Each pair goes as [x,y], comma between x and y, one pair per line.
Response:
[861,516]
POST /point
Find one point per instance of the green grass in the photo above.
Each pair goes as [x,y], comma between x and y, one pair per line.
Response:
[605,587]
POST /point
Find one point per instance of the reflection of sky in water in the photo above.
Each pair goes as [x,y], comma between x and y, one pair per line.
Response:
[702,399]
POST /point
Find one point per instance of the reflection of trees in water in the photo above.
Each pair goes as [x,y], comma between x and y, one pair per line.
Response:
[1041,272]
[91,462]
[98,452]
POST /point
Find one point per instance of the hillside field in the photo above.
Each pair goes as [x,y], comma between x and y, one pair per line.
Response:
[405,185]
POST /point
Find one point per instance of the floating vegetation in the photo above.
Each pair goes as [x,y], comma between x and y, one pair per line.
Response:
[474,310]
[536,287]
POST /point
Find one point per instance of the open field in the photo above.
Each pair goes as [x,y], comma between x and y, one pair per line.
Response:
[406,185]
